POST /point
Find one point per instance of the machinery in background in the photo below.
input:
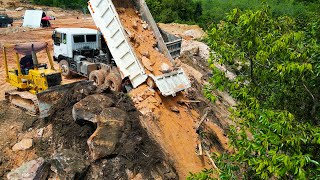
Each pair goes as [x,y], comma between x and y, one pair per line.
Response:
[5,21]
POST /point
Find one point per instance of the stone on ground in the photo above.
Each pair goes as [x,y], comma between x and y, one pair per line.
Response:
[33,170]
[104,140]
[91,106]
[69,164]
[23,145]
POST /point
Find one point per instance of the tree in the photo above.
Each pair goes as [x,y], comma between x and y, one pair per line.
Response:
[277,86]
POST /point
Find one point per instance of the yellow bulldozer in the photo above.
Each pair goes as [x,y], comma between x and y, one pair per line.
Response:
[38,87]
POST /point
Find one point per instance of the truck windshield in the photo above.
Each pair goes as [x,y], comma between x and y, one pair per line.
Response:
[78,38]
[91,38]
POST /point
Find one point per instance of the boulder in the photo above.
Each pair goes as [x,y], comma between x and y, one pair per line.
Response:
[91,106]
[68,164]
[147,63]
[146,54]
[165,68]
[23,145]
[194,33]
[134,25]
[145,26]
[33,170]
[19,8]
[104,140]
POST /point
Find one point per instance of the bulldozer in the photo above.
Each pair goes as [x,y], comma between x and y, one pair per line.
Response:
[38,87]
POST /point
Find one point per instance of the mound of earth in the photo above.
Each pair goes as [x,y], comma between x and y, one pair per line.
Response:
[62,142]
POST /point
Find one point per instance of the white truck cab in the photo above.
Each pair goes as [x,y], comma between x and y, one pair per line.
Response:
[70,41]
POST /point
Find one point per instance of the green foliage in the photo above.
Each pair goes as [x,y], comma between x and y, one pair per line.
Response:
[276,59]
[74,4]
[175,10]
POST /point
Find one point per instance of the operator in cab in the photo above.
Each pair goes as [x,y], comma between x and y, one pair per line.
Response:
[26,63]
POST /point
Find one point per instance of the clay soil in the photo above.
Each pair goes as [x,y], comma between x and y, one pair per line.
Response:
[142,40]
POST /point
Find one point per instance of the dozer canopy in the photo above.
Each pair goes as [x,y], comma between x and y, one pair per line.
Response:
[28,48]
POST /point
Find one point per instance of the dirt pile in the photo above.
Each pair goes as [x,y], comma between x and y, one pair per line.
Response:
[183,30]
[143,41]
[136,154]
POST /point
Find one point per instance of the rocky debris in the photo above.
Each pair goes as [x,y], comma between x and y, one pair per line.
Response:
[135,25]
[144,39]
[145,26]
[33,170]
[104,140]
[23,145]
[195,34]
[146,54]
[147,63]
[196,48]
[91,106]
[69,164]
[19,9]
[174,109]
[184,30]
[165,68]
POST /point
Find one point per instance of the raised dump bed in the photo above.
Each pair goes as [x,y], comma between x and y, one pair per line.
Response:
[172,42]
[121,26]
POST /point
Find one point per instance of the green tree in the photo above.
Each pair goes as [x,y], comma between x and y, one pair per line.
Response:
[277,86]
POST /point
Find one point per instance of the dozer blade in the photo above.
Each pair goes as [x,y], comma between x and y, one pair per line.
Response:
[47,102]
[57,97]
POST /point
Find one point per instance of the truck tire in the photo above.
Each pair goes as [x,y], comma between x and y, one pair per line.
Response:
[114,81]
[97,76]
[65,68]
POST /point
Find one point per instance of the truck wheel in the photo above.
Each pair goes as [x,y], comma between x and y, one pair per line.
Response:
[97,77]
[65,69]
[114,81]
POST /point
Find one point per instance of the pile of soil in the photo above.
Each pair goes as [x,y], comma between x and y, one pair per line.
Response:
[138,156]
[142,39]
[13,121]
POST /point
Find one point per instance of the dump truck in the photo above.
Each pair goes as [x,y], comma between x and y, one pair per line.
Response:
[128,65]
[84,52]
[5,21]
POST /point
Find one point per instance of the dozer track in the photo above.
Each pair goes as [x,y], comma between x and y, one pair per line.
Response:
[24,100]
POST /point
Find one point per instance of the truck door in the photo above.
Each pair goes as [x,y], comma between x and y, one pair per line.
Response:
[60,44]
[64,46]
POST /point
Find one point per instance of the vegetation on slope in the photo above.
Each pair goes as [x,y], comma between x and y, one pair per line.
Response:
[276,59]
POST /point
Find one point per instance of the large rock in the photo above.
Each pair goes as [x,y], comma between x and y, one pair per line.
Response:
[91,106]
[196,48]
[104,140]
[68,164]
[165,68]
[33,170]
[147,63]
[23,145]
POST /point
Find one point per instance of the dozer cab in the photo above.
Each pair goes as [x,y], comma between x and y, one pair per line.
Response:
[37,85]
